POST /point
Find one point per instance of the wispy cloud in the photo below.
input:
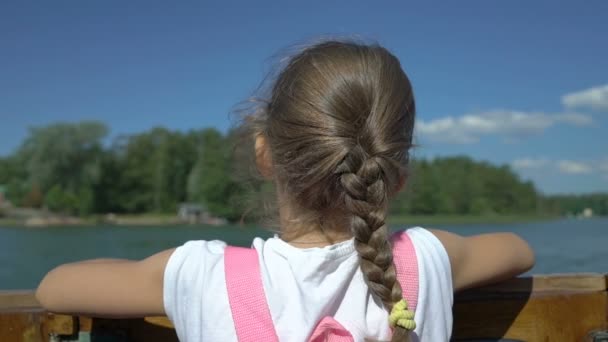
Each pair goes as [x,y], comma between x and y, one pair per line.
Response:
[574,167]
[569,167]
[594,98]
[470,128]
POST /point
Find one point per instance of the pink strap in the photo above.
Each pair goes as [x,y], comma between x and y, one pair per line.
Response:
[406,263]
[330,330]
[246,296]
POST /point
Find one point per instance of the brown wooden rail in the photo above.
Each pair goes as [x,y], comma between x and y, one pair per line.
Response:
[541,308]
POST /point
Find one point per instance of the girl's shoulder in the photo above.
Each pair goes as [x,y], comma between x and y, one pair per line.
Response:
[428,247]
[433,261]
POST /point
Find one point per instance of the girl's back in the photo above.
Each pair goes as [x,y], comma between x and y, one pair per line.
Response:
[333,136]
[304,287]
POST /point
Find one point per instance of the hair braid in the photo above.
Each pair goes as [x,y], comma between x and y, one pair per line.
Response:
[365,198]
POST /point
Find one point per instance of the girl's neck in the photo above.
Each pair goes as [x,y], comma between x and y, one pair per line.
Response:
[300,232]
[314,238]
[307,234]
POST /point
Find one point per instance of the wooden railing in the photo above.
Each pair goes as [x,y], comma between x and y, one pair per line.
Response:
[541,308]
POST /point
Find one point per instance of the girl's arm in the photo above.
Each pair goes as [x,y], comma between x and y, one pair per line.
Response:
[486,258]
[106,287]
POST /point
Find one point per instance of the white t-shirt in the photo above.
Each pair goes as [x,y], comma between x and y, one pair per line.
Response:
[302,287]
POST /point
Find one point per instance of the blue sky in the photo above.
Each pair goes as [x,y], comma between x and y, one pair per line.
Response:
[518,83]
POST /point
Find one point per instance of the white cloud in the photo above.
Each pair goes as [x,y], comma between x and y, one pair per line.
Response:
[574,167]
[576,119]
[470,127]
[445,130]
[570,167]
[594,98]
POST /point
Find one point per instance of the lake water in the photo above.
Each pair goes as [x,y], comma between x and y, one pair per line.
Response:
[26,254]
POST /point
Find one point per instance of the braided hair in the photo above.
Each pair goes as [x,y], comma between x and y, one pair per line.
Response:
[339,125]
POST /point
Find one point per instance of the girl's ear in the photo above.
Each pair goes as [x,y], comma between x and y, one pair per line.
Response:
[263,159]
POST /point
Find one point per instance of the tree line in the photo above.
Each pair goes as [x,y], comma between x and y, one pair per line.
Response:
[71,168]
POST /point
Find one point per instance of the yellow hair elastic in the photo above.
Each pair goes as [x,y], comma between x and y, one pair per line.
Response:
[402,317]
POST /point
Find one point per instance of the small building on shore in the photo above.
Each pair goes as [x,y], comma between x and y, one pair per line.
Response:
[192,212]
[197,213]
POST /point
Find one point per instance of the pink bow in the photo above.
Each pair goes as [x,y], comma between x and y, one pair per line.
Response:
[329,330]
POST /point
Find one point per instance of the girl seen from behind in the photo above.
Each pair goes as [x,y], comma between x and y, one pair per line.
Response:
[334,137]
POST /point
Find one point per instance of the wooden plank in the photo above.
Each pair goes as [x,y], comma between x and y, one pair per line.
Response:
[560,317]
[23,327]
[59,324]
[569,282]
[544,283]
[34,325]
[17,299]
[160,321]
[85,323]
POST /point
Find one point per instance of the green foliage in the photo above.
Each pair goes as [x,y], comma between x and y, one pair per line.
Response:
[34,198]
[14,177]
[66,168]
[575,204]
[212,180]
[6,170]
[60,200]
[16,190]
[461,186]
[156,170]
[65,154]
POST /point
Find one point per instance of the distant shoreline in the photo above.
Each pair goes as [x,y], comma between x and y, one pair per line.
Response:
[50,220]
[426,220]
[155,220]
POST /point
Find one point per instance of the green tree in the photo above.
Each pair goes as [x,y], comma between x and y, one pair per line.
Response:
[64,154]
[34,198]
[460,185]
[210,181]
[59,200]
[147,172]
[14,177]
